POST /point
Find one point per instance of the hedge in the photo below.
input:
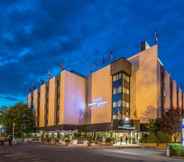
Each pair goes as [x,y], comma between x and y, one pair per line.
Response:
[176,149]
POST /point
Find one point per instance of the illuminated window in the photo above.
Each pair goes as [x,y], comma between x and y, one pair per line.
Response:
[115,117]
[119,76]
[124,103]
[114,104]
[114,78]
[126,90]
[119,89]
[119,103]
[114,90]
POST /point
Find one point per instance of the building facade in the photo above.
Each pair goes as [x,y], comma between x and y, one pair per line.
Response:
[118,98]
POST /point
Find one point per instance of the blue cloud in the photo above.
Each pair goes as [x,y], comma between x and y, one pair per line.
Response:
[38,35]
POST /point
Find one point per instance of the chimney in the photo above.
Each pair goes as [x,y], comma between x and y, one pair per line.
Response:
[144,45]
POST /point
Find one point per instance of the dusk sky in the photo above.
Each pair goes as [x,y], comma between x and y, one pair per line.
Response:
[37,36]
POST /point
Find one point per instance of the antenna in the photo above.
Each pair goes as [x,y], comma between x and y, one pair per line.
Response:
[110,56]
[62,67]
[49,75]
[155,38]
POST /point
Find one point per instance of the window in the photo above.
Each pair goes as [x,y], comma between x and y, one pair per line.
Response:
[124,103]
[126,78]
[115,117]
[114,90]
[119,76]
[119,103]
[127,104]
[114,104]
[119,89]
[114,78]
[126,90]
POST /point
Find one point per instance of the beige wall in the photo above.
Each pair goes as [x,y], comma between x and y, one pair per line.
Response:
[145,83]
[167,92]
[174,95]
[42,106]
[72,98]
[101,88]
[51,102]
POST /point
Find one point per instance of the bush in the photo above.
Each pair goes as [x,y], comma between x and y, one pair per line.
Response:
[160,137]
[149,138]
[108,140]
[176,149]
[163,137]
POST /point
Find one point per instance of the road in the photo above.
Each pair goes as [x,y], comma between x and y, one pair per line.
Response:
[54,153]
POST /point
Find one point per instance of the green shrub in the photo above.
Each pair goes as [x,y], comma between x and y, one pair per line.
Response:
[160,137]
[149,138]
[108,140]
[163,137]
[176,149]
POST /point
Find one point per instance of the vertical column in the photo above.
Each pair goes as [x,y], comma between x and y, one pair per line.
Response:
[162,87]
[177,97]
[57,99]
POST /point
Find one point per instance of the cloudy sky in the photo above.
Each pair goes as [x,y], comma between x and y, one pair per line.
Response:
[37,36]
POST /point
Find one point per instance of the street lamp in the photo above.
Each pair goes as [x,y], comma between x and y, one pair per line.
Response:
[183,132]
[13,131]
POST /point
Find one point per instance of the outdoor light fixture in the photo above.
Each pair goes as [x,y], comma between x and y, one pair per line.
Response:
[183,132]
[126,119]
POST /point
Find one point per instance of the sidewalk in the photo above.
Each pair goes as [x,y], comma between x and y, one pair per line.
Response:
[140,153]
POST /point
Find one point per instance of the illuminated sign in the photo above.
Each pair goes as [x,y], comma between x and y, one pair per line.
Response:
[183,132]
[98,102]
[126,124]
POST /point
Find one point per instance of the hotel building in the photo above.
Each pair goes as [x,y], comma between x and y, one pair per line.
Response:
[119,98]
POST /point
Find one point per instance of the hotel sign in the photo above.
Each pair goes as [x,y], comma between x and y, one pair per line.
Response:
[183,132]
[97,102]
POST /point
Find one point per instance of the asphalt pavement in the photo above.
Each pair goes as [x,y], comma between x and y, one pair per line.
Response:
[56,153]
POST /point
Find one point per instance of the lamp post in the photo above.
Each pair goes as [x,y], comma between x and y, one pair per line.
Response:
[183,132]
[13,132]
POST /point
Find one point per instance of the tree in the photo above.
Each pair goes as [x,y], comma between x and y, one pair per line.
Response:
[156,135]
[21,117]
[171,122]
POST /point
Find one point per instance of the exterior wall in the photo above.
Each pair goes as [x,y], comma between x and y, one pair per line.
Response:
[51,102]
[146,81]
[100,88]
[174,94]
[74,98]
[79,95]
[167,92]
[35,104]
[42,106]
